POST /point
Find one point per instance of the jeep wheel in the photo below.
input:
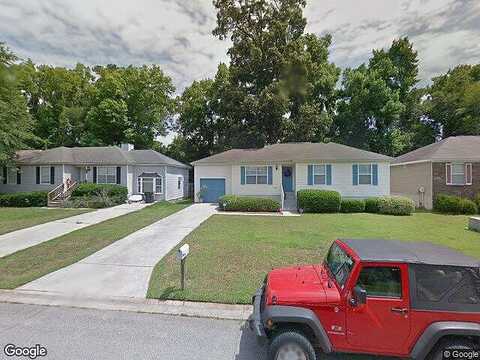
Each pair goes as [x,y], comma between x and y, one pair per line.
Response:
[291,345]
[449,345]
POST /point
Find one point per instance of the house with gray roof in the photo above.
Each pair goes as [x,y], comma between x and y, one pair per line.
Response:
[278,171]
[450,166]
[140,171]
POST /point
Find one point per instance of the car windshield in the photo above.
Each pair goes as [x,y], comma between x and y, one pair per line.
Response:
[340,264]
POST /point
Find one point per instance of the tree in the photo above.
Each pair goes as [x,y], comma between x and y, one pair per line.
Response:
[453,101]
[281,85]
[15,121]
[130,104]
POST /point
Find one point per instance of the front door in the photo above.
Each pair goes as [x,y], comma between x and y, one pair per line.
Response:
[383,323]
[287,178]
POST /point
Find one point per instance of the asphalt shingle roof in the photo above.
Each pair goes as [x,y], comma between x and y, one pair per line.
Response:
[455,148]
[295,152]
[105,155]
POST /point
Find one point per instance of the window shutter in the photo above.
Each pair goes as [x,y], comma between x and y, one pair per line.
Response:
[242,175]
[468,174]
[52,175]
[448,174]
[310,174]
[119,175]
[38,174]
[355,174]
[375,174]
[19,177]
[94,175]
[5,174]
[329,174]
[270,175]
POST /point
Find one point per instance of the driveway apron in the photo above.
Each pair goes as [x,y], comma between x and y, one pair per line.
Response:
[123,269]
[24,238]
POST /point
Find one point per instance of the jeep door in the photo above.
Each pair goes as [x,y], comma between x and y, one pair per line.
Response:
[382,324]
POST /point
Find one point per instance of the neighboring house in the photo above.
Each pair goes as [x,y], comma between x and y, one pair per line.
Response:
[451,166]
[139,170]
[279,171]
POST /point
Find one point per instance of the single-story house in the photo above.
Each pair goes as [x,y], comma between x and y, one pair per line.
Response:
[139,170]
[278,171]
[450,166]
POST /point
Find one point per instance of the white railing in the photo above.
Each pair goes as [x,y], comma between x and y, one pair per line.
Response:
[282,196]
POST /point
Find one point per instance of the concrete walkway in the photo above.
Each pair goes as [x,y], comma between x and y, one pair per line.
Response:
[24,238]
[123,269]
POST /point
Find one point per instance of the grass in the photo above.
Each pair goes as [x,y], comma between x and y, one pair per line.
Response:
[230,255]
[34,262]
[12,219]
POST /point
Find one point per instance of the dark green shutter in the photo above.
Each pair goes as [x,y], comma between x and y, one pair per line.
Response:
[52,175]
[94,174]
[5,174]
[242,175]
[355,174]
[310,174]
[38,174]
[19,177]
[329,174]
[270,175]
[375,174]
[119,175]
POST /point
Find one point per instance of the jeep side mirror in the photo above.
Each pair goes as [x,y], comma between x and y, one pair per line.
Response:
[359,296]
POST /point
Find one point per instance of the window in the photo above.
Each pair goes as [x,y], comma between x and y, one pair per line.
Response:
[12,175]
[148,184]
[381,281]
[319,174]
[434,282]
[256,175]
[179,182]
[458,174]
[44,175]
[106,175]
[158,185]
[340,264]
[365,174]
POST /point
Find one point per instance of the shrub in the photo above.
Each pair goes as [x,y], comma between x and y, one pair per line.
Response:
[372,205]
[396,205]
[449,204]
[113,191]
[24,199]
[477,201]
[246,203]
[319,201]
[352,206]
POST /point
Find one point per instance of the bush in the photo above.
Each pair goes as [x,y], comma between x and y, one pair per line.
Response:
[352,206]
[477,201]
[449,204]
[319,201]
[396,205]
[24,199]
[113,191]
[372,205]
[246,203]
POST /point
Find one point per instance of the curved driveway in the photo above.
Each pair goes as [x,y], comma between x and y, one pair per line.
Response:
[124,268]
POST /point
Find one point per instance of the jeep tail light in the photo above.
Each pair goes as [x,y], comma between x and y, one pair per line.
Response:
[274,300]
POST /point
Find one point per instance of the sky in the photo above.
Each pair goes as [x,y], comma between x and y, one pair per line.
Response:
[176,34]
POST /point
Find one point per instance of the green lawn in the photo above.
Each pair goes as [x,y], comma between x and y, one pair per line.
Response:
[31,263]
[12,219]
[230,255]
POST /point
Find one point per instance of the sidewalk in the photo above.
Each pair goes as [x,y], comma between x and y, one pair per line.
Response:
[152,306]
[24,238]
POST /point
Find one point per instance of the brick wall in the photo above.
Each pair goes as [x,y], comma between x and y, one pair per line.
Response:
[440,186]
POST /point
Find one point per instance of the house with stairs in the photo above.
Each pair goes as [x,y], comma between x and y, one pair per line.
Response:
[279,171]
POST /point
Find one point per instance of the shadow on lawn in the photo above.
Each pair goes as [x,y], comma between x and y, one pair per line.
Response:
[249,349]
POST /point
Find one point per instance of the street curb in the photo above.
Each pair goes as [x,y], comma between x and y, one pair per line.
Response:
[151,306]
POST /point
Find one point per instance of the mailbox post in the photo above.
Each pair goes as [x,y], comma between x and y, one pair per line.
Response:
[182,254]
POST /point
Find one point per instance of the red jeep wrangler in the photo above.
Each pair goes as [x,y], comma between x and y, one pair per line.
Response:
[391,298]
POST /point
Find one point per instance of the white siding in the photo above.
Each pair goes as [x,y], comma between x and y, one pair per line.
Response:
[342,181]
[29,179]
[138,170]
[212,172]
[273,190]
[172,175]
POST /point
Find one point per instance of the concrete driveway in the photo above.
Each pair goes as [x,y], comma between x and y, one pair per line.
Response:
[24,238]
[124,268]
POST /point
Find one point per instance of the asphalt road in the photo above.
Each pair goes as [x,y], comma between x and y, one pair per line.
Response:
[81,334]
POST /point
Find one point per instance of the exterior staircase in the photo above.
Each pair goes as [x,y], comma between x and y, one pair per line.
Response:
[290,202]
[61,193]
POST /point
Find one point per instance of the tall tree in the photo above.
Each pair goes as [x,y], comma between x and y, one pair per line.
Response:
[281,84]
[15,121]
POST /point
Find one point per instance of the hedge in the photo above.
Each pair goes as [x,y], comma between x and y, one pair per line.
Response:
[477,201]
[449,204]
[372,205]
[352,206]
[247,203]
[118,192]
[319,201]
[396,205]
[24,199]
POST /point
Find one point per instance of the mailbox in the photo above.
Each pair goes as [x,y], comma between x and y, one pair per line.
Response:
[182,253]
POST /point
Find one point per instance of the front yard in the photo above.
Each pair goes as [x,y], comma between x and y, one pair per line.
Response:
[230,255]
[12,219]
